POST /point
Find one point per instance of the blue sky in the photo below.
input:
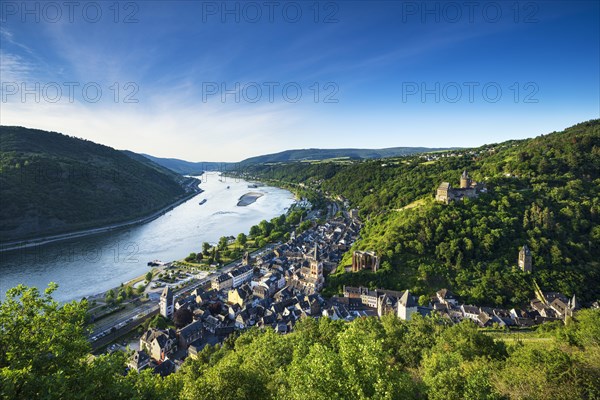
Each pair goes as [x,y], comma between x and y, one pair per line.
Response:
[371,74]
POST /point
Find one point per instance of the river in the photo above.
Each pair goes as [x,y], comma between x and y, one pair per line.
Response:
[93,264]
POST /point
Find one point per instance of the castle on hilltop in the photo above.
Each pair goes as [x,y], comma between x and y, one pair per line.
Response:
[468,189]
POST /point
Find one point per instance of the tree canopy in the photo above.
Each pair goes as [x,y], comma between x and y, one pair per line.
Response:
[46,355]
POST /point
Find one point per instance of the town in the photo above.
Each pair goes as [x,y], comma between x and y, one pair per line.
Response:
[272,290]
[281,285]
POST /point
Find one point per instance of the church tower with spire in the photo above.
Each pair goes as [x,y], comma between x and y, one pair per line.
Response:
[316,266]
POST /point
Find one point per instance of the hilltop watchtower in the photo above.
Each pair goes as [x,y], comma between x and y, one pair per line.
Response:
[525,262]
[465,180]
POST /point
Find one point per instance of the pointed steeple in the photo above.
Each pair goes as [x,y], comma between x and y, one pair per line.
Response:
[573,303]
[407,300]
[316,254]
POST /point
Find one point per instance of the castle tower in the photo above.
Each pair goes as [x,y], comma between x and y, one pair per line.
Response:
[525,262]
[465,181]
[166,303]
[444,193]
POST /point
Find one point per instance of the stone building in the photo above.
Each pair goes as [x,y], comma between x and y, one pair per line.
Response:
[166,305]
[364,260]
[525,262]
[246,260]
[159,344]
[222,282]
[315,277]
[309,278]
[189,334]
[138,361]
[468,189]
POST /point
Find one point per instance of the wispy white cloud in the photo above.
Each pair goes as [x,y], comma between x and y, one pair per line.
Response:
[8,37]
[14,68]
[165,127]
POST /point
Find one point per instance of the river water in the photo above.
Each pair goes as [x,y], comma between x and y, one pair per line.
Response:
[93,264]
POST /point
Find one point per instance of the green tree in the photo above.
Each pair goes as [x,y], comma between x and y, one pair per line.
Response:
[588,327]
[45,352]
[321,373]
[265,227]
[223,243]
[363,358]
[242,239]
[255,231]
[110,297]
[129,291]
[192,257]
[443,377]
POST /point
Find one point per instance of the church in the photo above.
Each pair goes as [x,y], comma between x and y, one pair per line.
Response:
[310,278]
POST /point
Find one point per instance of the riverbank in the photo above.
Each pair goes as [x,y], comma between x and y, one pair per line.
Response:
[26,243]
[249,198]
[94,264]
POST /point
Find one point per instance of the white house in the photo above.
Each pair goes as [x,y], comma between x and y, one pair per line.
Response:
[241,275]
[407,306]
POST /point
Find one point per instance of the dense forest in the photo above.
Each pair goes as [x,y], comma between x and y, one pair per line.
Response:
[326,154]
[52,183]
[542,192]
[46,356]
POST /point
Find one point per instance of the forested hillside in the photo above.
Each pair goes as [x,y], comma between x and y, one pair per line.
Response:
[543,192]
[196,168]
[186,167]
[51,183]
[45,355]
[325,154]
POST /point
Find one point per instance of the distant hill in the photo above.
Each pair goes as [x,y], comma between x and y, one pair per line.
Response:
[194,168]
[324,154]
[151,164]
[187,167]
[52,183]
